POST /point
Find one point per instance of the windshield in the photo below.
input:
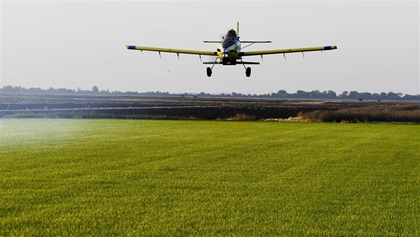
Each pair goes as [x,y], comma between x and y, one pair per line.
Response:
[231,34]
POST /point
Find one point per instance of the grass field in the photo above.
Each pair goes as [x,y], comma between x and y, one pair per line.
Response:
[208,178]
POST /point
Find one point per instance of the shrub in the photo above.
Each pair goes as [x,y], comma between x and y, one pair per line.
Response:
[395,113]
[243,117]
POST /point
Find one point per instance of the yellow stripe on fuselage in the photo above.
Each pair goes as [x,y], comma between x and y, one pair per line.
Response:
[220,51]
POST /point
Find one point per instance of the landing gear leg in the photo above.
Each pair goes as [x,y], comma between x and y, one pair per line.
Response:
[210,69]
[248,72]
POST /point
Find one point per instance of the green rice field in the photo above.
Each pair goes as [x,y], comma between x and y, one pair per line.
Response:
[208,178]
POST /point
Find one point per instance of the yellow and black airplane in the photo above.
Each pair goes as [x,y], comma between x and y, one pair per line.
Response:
[229,51]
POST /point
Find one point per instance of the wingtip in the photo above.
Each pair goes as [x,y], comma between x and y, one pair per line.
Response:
[330,47]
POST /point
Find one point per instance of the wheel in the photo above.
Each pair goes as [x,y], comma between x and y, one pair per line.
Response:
[248,72]
[209,72]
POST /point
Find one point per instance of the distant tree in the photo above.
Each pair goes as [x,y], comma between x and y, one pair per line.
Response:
[382,96]
[353,95]
[344,94]
[95,89]
[316,94]
[331,94]
[394,96]
[282,93]
[301,94]
[365,96]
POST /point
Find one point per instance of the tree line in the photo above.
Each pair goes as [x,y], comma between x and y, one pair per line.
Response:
[300,94]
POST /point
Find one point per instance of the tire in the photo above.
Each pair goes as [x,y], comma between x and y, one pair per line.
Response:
[248,72]
[209,71]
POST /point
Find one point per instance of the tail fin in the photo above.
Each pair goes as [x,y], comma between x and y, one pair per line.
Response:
[237,28]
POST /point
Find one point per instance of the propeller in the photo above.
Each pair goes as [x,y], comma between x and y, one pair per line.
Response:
[222,36]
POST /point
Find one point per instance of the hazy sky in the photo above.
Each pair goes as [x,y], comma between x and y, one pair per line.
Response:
[71,44]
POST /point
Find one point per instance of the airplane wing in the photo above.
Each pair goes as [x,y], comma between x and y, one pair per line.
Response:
[284,51]
[167,50]
[245,42]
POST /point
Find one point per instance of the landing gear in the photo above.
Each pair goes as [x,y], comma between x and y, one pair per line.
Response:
[228,61]
[247,69]
[248,72]
[209,71]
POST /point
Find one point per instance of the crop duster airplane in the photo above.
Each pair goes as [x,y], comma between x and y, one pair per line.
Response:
[229,51]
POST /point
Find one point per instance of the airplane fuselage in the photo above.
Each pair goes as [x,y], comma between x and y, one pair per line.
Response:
[229,49]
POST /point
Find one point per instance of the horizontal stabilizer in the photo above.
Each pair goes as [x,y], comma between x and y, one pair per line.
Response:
[256,42]
[213,41]
[212,62]
[245,42]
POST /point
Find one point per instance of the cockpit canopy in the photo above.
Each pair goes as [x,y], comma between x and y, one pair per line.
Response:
[231,34]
